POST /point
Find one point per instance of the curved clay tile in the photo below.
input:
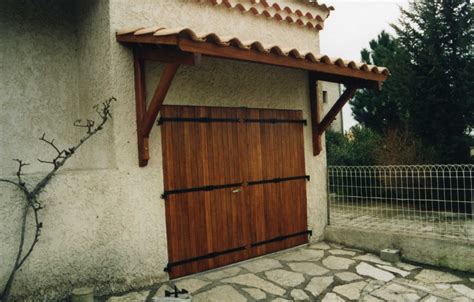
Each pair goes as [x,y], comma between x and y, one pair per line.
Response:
[339,62]
[291,16]
[227,3]
[268,14]
[287,9]
[276,6]
[278,17]
[148,30]
[168,32]
[300,13]
[189,34]
[215,39]
[239,44]
[375,69]
[129,30]
[243,9]
[325,59]
[295,54]
[258,46]
[255,45]
[351,64]
[255,11]
[277,50]
[364,67]
[309,25]
[323,6]
[263,2]
[310,57]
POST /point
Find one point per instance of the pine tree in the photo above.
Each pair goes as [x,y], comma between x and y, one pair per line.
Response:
[381,111]
[438,37]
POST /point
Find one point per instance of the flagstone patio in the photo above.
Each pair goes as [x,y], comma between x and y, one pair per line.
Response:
[319,272]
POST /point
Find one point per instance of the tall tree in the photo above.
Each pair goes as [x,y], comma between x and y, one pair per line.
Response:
[386,109]
[438,38]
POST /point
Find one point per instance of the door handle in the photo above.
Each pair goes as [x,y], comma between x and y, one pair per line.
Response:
[236,190]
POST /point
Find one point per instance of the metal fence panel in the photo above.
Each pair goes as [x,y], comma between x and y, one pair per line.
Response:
[432,200]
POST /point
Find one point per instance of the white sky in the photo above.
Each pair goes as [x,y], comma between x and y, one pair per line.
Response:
[351,26]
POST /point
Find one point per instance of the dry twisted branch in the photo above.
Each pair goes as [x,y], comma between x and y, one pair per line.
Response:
[31,196]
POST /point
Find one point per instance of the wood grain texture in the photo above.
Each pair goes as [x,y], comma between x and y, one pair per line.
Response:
[197,154]
[324,72]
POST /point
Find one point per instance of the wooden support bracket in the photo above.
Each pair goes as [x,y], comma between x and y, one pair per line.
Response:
[146,117]
[318,126]
[315,111]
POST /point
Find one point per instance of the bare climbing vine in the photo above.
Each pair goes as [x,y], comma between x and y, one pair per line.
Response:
[31,192]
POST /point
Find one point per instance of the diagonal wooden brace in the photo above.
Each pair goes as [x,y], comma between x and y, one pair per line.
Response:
[336,108]
[146,117]
[318,125]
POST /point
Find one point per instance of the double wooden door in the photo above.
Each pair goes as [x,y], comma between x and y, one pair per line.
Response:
[235,184]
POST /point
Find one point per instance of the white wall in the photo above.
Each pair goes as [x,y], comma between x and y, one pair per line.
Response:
[333,92]
[104,222]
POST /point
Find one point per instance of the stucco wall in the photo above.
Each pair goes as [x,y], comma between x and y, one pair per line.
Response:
[205,18]
[37,78]
[333,93]
[104,223]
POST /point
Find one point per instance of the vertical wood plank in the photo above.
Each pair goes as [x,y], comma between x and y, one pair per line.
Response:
[201,154]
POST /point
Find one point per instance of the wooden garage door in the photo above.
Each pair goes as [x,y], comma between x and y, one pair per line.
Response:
[235,184]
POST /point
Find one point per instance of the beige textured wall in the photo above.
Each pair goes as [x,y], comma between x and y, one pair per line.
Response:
[35,77]
[333,91]
[104,224]
[205,18]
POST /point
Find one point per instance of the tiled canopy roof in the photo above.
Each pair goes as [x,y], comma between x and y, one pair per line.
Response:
[278,10]
[141,34]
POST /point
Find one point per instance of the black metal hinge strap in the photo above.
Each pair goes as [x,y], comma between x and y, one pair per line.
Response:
[197,189]
[281,238]
[276,180]
[276,121]
[203,257]
[198,120]
[228,120]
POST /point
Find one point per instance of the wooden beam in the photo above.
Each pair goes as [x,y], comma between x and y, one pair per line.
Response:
[334,73]
[348,81]
[315,113]
[166,54]
[147,39]
[140,101]
[146,117]
[336,108]
[161,90]
[323,71]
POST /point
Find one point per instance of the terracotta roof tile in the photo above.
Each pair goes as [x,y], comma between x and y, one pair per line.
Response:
[274,10]
[214,38]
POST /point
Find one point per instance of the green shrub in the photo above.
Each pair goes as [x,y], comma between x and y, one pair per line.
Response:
[355,148]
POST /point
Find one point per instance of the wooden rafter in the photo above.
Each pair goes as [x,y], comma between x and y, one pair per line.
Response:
[146,117]
[324,72]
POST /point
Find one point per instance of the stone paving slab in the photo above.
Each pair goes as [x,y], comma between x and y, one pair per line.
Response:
[318,272]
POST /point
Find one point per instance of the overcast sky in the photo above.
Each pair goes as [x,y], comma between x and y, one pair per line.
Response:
[351,26]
